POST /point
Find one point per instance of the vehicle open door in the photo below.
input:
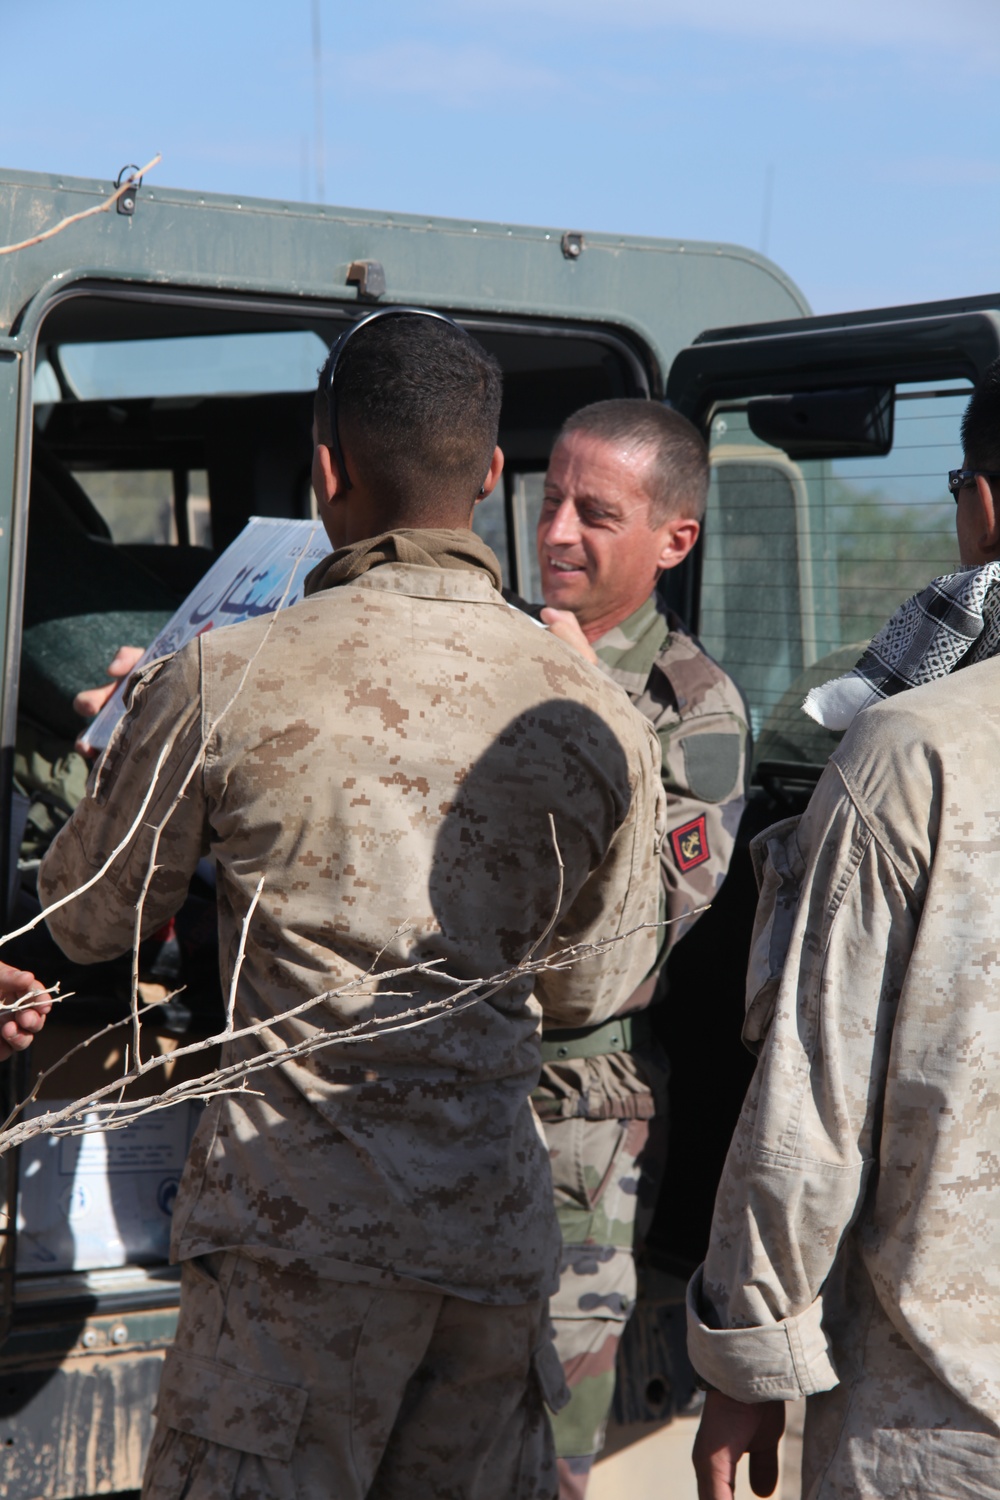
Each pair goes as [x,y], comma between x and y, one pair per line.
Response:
[830,441]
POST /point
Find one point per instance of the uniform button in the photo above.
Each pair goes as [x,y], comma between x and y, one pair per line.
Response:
[562,1051]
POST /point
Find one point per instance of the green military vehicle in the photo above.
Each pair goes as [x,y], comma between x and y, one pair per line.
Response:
[156,368]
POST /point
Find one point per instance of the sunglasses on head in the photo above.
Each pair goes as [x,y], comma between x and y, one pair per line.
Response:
[338,349]
[959,478]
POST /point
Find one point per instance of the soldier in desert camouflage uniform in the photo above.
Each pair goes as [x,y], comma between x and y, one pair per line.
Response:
[855,1251]
[624,494]
[367,1235]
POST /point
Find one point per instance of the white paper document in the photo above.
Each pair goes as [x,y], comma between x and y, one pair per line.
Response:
[264,569]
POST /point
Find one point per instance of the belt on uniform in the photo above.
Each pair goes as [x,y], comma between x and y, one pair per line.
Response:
[622,1034]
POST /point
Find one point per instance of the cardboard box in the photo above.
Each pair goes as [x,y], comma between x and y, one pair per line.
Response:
[105,1198]
[101,1199]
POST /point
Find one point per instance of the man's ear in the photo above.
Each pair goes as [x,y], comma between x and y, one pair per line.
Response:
[331,495]
[492,475]
[988,516]
[327,478]
[675,539]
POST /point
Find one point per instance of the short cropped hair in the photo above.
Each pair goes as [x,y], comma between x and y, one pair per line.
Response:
[677,476]
[418,408]
[981,423]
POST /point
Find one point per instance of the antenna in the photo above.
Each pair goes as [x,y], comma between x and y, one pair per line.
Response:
[318,87]
[765,218]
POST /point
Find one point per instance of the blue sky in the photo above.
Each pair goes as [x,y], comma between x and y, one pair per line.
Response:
[875,122]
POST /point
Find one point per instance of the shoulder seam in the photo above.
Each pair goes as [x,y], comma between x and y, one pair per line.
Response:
[867,821]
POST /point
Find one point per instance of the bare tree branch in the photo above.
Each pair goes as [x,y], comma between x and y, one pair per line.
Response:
[98,208]
[106,1107]
[241,950]
[119,848]
[227,1079]
[196,763]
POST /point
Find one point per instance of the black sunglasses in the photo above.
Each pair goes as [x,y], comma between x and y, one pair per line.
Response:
[959,478]
[338,349]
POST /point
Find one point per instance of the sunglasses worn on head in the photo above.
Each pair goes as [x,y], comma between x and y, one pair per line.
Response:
[959,478]
[338,349]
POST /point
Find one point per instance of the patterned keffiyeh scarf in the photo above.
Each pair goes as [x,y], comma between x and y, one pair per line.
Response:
[953,623]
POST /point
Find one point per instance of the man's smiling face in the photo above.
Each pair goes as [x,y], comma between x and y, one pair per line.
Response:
[598,555]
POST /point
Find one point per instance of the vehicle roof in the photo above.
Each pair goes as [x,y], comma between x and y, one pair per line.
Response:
[666,291]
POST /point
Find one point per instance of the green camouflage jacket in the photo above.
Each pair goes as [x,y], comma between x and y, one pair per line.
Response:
[700,719]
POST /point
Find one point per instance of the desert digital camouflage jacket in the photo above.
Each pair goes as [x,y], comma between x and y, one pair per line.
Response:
[857,1225]
[386,754]
[700,719]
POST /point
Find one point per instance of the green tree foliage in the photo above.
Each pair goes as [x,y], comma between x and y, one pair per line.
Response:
[886,550]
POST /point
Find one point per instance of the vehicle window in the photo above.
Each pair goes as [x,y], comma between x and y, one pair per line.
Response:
[528,490]
[489,521]
[219,364]
[805,561]
[139,505]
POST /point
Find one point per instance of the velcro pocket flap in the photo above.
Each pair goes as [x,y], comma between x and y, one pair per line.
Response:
[226,1406]
[550,1376]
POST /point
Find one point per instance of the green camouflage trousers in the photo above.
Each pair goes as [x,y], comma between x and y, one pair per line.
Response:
[605,1173]
[282,1384]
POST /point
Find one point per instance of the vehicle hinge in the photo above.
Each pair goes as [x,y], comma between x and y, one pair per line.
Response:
[369,277]
[126,203]
[573,244]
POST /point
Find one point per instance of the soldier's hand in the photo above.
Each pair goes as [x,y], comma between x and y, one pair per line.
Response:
[564,624]
[728,1429]
[17,1031]
[91,700]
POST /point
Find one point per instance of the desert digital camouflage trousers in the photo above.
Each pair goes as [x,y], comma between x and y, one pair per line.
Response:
[285,1386]
[602,1172]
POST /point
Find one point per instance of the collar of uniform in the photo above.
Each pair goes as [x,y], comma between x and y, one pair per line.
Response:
[628,650]
[423,548]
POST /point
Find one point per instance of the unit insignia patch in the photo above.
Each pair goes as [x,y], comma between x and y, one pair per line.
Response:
[690,844]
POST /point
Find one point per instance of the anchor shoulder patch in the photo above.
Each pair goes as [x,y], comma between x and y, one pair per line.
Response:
[690,844]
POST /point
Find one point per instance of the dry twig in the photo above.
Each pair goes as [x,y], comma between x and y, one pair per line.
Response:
[107,1102]
[232,1076]
[241,950]
[98,208]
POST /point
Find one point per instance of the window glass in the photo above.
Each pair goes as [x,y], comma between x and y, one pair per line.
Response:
[489,521]
[220,364]
[198,509]
[45,387]
[138,504]
[529,489]
[805,561]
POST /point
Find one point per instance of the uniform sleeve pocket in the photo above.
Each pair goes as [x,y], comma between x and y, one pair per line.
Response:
[110,763]
[779,867]
[213,1401]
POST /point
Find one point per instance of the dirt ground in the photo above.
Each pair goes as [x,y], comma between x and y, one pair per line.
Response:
[658,1466]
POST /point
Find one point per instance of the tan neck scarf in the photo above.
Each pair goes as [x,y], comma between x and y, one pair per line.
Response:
[423,548]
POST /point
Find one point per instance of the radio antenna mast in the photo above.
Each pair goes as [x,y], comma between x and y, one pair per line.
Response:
[318,87]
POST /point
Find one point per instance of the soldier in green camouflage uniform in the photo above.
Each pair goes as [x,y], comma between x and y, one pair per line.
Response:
[366,1233]
[624,494]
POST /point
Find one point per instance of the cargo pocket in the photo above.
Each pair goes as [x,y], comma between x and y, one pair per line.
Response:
[209,1417]
[779,868]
